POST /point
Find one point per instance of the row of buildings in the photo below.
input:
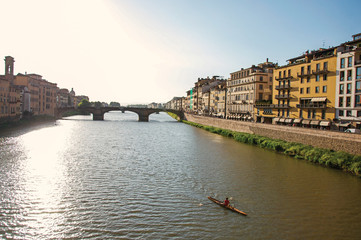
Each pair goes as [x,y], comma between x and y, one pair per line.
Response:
[30,94]
[317,89]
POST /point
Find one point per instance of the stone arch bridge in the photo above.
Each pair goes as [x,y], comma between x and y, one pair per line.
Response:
[98,112]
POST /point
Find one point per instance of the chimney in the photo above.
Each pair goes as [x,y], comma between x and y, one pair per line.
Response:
[266,60]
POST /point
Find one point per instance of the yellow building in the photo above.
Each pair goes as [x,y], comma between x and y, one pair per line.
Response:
[304,90]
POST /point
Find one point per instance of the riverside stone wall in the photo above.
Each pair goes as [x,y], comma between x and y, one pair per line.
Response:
[337,141]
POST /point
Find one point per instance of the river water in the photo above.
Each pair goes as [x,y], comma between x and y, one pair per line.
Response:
[123,179]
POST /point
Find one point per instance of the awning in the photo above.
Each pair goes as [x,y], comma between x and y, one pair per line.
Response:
[276,119]
[315,122]
[320,99]
[344,124]
[288,120]
[325,123]
[306,122]
[282,119]
[298,120]
[249,118]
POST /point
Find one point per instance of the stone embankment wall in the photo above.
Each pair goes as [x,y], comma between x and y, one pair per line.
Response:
[337,141]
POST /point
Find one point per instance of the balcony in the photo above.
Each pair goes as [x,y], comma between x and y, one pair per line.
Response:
[283,78]
[282,96]
[284,86]
[280,106]
[304,74]
[263,104]
[319,71]
[311,105]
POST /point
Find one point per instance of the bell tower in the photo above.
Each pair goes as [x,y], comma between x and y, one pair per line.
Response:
[9,66]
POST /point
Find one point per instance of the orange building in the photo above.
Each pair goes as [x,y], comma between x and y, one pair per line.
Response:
[42,93]
[10,95]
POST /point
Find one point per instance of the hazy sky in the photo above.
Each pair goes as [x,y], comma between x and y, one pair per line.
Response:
[142,51]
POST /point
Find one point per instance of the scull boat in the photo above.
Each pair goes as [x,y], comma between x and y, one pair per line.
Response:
[228,206]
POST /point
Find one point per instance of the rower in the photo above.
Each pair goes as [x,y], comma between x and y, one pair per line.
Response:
[226,202]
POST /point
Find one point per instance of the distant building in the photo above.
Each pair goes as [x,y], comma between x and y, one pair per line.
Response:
[248,86]
[155,105]
[218,99]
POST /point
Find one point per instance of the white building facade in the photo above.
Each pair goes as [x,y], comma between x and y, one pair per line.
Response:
[348,82]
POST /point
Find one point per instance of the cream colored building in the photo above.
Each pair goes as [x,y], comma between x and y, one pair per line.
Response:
[246,87]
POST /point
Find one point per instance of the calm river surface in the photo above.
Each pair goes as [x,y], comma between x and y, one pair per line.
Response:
[123,179]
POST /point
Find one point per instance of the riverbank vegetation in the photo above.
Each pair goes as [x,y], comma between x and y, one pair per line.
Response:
[173,115]
[325,157]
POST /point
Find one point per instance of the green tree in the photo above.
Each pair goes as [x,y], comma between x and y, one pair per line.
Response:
[114,104]
[84,103]
[97,104]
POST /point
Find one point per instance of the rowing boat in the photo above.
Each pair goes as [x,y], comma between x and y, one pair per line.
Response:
[228,206]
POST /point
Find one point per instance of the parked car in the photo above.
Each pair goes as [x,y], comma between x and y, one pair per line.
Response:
[353,130]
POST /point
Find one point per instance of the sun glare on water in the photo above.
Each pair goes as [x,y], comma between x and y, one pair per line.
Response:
[44,178]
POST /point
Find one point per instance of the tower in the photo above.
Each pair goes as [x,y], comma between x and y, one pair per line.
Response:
[9,66]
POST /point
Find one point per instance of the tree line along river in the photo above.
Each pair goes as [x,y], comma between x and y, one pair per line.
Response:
[124,179]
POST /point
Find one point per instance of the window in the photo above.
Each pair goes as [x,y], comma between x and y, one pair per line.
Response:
[342,76]
[358,73]
[260,96]
[342,64]
[341,89]
[261,78]
[284,73]
[348,113]
[279,74]
[357,101]
[349,87]
[289,72]
[323,114]
[301,90]
[308,69]
[302,70]
[301,79]
[308,79]
[301,114]
[340,113]
[358,87]
[340,101]
[260,87]
[308,90]
[349,75]
[317,89]
[270,79]
[309,114]
[349,62]
[324,77]
[325,66]
[358,113]
[348,101]
[317,78]
[324,89]
[314,113]
[317,67]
